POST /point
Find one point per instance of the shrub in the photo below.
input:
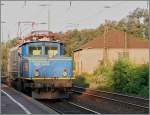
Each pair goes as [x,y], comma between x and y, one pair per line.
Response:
[123,76]
[102,76]
[139,82]
[121,73]
[130,78]
[144,91]
[81,80]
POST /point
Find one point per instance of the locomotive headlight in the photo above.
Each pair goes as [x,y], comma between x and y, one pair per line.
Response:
[36,73]
[65,72]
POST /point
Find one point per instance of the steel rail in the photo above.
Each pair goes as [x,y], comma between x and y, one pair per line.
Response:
[71,103]
[112,93]
[83,107]
[54,108]
[98,96]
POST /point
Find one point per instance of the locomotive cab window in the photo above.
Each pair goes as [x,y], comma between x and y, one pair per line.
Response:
[51,51]
[35,51]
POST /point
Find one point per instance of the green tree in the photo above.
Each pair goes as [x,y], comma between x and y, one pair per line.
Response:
[5,50]
[133,25]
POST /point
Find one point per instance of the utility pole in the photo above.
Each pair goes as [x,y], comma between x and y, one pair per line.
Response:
[25,2]
[105,56]
[48,19]
[19,33]
[125,43]
[2,22]
[48,14]
[125,52]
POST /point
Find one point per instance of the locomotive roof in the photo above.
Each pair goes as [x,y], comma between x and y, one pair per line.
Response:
[52,41]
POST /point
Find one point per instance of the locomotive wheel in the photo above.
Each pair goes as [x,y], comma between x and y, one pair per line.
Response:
[12,84]
[29,91]
[19,85]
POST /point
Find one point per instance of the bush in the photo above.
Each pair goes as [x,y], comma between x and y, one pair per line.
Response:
[130,78]
[81,80]
[121,73]
[139,82]
[102,77]
[123,76]
[144,91]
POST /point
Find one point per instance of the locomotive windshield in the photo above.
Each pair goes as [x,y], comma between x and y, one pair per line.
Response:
[35,50]
[50,51]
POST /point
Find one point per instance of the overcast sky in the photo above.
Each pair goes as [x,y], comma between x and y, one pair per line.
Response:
[80,15]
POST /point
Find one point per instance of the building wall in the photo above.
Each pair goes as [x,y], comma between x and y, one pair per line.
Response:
[139,56]
[86,60]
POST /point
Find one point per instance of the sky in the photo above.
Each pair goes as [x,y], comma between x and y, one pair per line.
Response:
[63,16]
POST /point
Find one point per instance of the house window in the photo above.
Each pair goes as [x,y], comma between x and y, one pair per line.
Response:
[123,54]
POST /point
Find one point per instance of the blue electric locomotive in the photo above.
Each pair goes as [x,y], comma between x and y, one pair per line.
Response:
[41,69]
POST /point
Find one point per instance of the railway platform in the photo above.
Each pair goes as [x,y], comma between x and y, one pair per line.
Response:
[14,102]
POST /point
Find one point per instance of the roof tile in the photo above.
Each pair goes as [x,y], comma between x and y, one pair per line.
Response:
[116,39]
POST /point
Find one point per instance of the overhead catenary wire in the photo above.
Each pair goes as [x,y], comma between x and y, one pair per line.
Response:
[97,13]
[36,15]
[78,22]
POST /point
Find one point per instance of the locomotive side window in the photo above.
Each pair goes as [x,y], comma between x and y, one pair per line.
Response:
[51,51]
[35,51]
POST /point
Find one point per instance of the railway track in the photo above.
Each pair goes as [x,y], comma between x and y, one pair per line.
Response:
[127,104]
[67,107]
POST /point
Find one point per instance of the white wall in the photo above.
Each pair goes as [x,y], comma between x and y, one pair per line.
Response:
[86,60]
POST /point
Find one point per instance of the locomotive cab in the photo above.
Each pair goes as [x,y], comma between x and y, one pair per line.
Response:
[43,70]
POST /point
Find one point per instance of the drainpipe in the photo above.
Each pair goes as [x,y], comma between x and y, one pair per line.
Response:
[125,44]
[105,47]
[126,41]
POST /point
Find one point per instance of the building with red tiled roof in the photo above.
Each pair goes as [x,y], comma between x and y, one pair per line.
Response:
[111,46]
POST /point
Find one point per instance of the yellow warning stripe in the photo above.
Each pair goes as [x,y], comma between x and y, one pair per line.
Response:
[42,78]
[46,59]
